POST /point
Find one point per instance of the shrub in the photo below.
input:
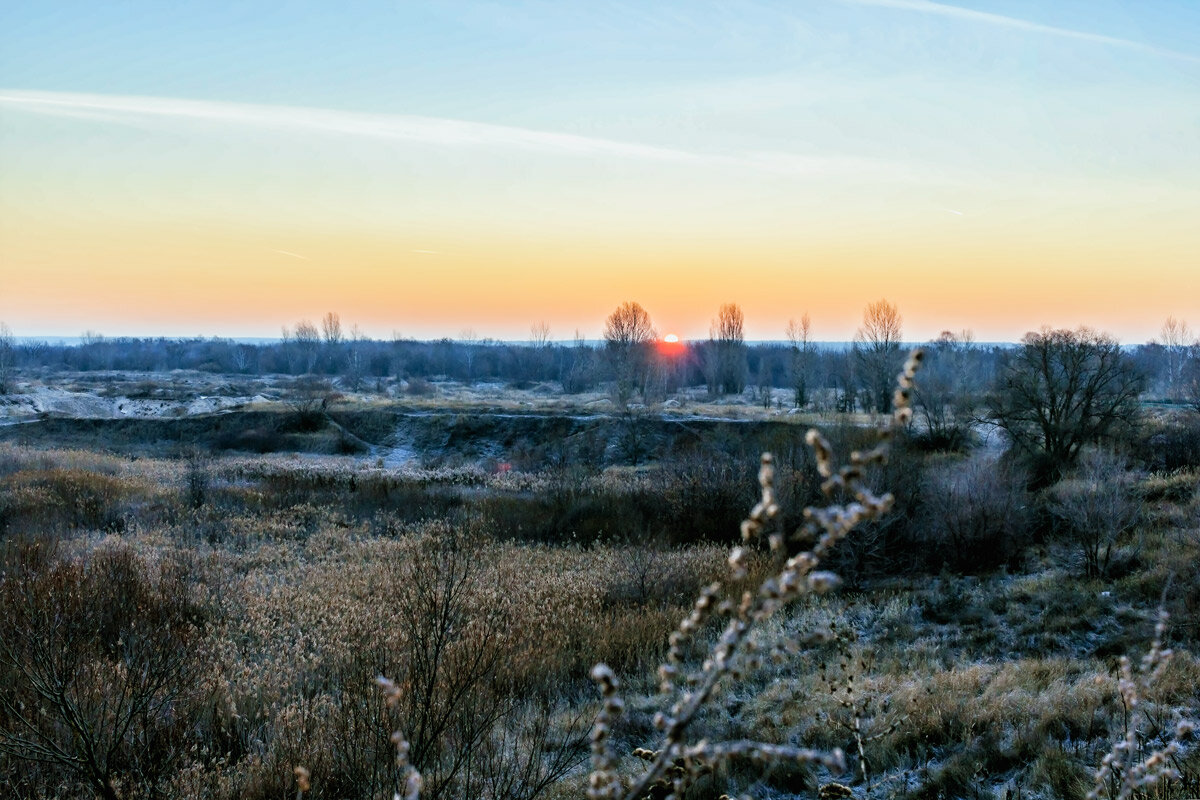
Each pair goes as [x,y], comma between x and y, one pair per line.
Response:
[1168,445]
[57,497]
[1096,506]
[1175,487]
[1145,756]
[419,387]
[465,676]
[97,664]
[197,479]
[889,544]
[976,515]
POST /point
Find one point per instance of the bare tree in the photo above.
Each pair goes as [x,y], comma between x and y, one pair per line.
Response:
[245,358]
[1062,390]
[844,379]
[800,336]
[470,341]
[946,399]
[1190,375]
[99,350]
[1177,342]
[539,334]
[331,328]
[307,340]
[627,332]
[578,370]
[729,345]
[356,356]
[7,358]
[331,334]
[537,361]
[877,351]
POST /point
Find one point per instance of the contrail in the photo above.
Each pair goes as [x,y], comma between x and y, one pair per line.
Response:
[1000,20]
[432,131]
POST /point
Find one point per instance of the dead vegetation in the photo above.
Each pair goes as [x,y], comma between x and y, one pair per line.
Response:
[200,624]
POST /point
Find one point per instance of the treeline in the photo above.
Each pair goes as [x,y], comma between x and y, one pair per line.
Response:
[360,364]
[631,360]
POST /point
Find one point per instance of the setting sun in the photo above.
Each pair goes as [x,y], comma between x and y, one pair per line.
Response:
[671,338]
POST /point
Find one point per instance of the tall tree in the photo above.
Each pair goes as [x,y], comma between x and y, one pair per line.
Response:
[470,342]
[331,332]
[331,328]
[539,334]
[946,397]
[729,341]
[7,358]
[1177,342]
[877,351]
[1062,390]
[799,334]
[307,340]
[627,332]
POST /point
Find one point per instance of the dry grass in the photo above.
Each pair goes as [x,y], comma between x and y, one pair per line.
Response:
[297,582]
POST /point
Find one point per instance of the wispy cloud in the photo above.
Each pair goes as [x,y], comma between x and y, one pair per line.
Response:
[289,253]
[425,130]
[1000,20]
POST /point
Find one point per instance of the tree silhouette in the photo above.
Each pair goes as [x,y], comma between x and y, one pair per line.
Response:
[877,351]
[1062,390]
[627,332]
[7,358]
[729,344]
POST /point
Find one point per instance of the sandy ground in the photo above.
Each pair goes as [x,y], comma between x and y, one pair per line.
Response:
[37,401]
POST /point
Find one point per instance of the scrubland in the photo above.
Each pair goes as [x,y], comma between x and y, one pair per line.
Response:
[199,622]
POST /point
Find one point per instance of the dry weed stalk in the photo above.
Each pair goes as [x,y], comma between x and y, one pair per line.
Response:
[736,652]
[410,777]
[1127,771]
[862,710]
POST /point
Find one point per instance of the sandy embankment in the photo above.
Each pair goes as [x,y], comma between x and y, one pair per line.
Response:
[31,402]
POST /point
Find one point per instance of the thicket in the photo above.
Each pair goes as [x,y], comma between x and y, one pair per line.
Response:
[98,668]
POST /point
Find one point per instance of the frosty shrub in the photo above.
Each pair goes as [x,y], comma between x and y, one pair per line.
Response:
[976,515]
[1096,505]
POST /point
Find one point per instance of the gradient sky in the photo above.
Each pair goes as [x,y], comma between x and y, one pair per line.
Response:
[228,168]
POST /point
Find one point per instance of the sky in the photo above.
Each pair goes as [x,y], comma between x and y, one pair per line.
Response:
[429,169]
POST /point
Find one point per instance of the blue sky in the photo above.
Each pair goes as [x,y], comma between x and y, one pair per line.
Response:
[669,143]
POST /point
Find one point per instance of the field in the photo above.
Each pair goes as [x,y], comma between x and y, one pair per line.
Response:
[203,577]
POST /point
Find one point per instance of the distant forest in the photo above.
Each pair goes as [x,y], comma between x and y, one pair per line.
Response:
[840,377]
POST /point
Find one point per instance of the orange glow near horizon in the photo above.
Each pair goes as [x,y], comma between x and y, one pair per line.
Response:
[100,257]
[64,278]
[670,347]
[978,171]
